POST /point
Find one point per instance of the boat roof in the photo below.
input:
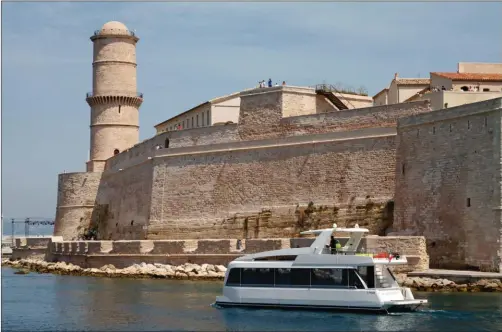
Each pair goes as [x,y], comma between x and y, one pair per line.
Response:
[323,236]
[313,255]
[336,230]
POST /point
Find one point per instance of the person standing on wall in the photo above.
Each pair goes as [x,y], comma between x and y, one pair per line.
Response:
[269,82]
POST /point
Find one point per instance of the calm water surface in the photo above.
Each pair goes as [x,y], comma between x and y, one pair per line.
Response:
[36,302]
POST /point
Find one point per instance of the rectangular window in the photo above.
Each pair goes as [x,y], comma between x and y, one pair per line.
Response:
[202,119]
[329,278]
[257,277]
[234,277]
[354,280]
[208,119]
[292,277]
[367,273]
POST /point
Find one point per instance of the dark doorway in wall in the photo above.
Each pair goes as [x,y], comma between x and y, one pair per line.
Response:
[464,88]
[166,143]
[116,151]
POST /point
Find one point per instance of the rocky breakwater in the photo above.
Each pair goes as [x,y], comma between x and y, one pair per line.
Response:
[185,271]
[190,271]
[445,285]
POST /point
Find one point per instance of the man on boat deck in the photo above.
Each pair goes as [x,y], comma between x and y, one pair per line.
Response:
[335,245]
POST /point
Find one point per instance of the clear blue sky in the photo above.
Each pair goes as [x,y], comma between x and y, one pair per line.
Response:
[191,52]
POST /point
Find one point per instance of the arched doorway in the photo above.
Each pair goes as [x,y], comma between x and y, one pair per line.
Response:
[166,143]
[116,151]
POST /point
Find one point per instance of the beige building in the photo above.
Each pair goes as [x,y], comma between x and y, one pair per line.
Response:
[224,110]
[399,90]
[217,111]
[455,89]
[473,82]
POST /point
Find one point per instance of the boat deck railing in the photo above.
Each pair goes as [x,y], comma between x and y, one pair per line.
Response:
[375,255]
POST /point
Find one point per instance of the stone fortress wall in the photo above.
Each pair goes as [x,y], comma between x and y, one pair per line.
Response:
[287,166]
[448,177]
[75,202]
[253,181]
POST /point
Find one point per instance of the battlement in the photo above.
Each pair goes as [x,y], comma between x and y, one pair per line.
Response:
[223,249]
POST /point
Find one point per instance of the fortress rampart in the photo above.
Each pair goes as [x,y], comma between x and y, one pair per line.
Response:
[121,254]
[246,182]
[75,203]
[292,162]
[448,175]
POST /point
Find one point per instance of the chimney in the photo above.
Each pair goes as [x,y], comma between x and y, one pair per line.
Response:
[395,76]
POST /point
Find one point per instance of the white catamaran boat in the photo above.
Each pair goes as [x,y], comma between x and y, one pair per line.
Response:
[317,277]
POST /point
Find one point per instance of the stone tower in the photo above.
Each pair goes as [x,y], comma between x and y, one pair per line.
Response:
[114,99]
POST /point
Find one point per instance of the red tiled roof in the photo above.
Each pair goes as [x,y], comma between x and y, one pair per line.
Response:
[412,81]
[469,76]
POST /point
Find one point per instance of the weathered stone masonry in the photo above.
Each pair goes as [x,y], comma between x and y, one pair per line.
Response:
[448,178]
[286,167]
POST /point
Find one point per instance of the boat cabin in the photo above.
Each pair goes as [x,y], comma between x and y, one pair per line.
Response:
[317,266]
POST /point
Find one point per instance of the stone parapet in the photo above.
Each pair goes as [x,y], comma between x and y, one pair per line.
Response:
[222,251]
[32,242]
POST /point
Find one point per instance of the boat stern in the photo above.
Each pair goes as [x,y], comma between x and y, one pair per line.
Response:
[403,305]
[399,300]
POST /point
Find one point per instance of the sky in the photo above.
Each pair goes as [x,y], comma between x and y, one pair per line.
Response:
[191,52]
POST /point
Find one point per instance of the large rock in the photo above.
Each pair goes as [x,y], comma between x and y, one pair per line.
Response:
[220,268]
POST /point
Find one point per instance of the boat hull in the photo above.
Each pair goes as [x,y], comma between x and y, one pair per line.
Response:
[387,308]
[389,300]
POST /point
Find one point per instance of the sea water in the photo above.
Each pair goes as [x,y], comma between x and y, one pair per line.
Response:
[45,302]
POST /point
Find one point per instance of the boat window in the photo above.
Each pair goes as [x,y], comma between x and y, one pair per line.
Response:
[391,274]
[234,277]
[277,258]
[329,278]
[354,280]
[292,277]
[257,277]
[367,273]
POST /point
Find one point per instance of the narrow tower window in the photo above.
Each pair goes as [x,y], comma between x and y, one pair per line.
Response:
[166,143]
[208,120]
[402,168]
[119,108]
[468,202]
[203,119]
[197,120]
[116,151]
